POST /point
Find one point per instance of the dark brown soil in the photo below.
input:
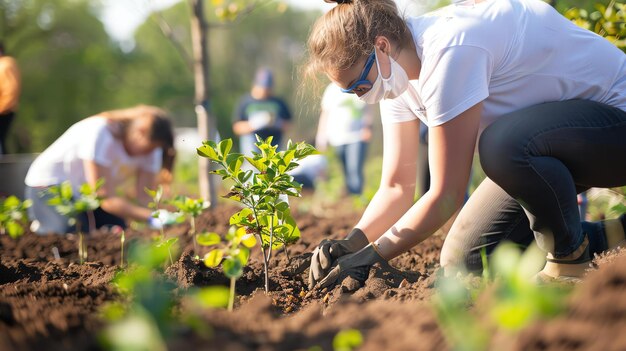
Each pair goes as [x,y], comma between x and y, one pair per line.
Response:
[49,303]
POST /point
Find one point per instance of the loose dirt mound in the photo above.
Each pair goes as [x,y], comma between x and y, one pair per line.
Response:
[596,316]
[52,303]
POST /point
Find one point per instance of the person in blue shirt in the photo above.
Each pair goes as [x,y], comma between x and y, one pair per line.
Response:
[260,113]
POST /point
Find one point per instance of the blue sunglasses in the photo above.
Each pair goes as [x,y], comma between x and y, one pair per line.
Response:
[362,83]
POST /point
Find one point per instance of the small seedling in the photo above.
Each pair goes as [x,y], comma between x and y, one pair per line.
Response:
[122,234]
[13,217]
[191,208]
[151,300]
[168,244]
[233,254]
[155,204]
[262,190]
[63,199]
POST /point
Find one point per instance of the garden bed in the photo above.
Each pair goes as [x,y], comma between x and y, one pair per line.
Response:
[52,303]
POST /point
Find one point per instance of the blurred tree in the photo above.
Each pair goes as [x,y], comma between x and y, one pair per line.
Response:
[72,69]
[239,39]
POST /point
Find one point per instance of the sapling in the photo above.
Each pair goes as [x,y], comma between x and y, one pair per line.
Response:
[232,254]
[191,208]
[261,190]
[13,217]
[148,313]
[155,205]
[157,196]
[71,205]
[122,234]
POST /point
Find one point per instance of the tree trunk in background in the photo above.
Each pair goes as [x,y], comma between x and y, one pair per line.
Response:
[206,122]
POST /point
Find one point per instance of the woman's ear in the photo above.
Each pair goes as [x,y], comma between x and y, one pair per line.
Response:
[382,44]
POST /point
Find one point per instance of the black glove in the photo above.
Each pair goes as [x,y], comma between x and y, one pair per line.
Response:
[328,251]
[353,264]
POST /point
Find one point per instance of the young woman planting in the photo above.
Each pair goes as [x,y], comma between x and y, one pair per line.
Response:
[114,146]
[543,101]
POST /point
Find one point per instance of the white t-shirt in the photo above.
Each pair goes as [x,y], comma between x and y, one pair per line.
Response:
[511,54]
[345,116]
[88,139]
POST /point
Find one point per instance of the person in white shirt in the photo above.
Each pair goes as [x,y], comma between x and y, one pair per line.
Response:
[346,125]
[542,100]
[115,146]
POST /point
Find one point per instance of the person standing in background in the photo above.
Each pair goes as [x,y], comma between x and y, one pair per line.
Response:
[346,125]
[9,95]
[260,113]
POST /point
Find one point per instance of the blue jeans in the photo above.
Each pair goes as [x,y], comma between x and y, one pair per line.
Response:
[352,157]
[50,221]
[537,160]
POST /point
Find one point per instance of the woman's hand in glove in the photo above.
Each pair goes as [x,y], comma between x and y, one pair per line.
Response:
[328,251]
[353,264]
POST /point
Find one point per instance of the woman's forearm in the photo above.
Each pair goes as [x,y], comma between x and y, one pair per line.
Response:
[123,208]
[385,209]
[424,218]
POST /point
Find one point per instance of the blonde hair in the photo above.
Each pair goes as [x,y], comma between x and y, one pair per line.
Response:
[347,33]
[161,132]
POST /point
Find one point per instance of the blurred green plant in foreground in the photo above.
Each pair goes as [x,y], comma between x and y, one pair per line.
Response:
[13,216]
[72,206]
[145,317]
[473,310]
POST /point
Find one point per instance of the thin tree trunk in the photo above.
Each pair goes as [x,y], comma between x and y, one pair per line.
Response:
[206,122]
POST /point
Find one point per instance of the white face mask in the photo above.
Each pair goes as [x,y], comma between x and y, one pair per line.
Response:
[387,88]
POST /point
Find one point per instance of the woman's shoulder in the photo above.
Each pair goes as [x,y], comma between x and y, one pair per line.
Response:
[91,128]
[480,24]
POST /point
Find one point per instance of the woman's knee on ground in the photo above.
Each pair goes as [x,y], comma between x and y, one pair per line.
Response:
[457,257]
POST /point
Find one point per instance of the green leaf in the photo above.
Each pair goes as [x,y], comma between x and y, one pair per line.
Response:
[347,340]
[244,176]
[248,240]
[221,172]
[232,267]
[213,297]
[66,191]
[213,258]
[505,260]
[167,243]
[242,254]
[14,229]
[234,162]
[225,146]
[151,193]
[11,202]
[208,152]
[303,150]
[208,239]
[85,189]
[241,217]
[282,207]
[258,164]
